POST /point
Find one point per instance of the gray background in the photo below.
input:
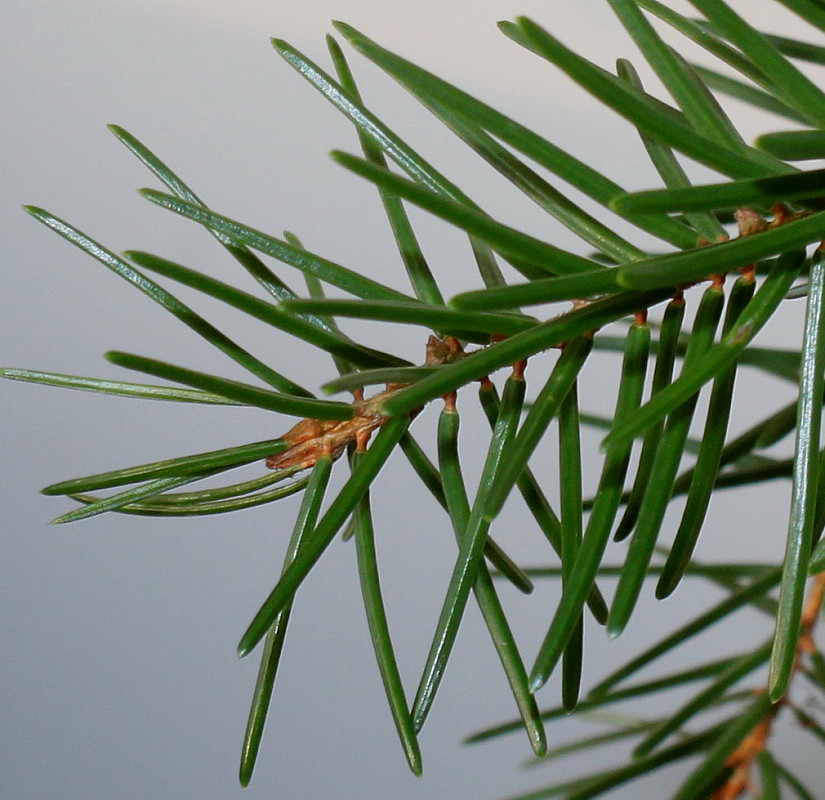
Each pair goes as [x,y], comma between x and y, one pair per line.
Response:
[118,676]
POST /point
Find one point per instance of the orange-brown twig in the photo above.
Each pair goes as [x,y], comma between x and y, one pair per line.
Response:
[309,439]
[742,758]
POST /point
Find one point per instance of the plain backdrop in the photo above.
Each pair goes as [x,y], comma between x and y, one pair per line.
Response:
[118,674]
